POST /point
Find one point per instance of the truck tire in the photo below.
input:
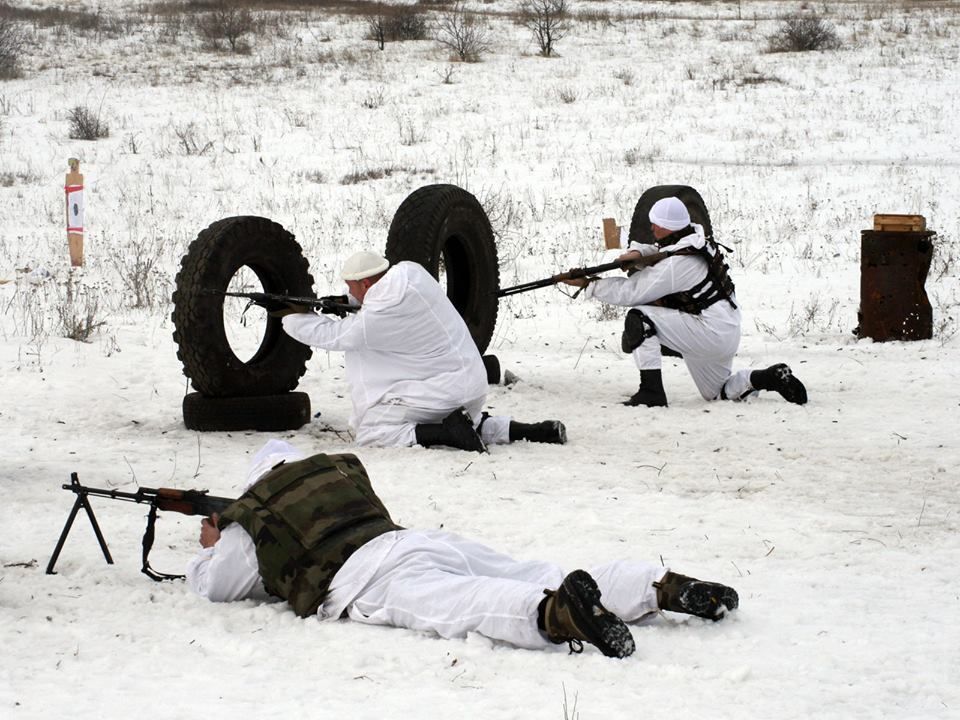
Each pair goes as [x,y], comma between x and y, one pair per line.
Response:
[640,224]
[265,413]
[444,227]
[202,346]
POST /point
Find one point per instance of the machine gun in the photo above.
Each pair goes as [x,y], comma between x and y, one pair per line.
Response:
[641,262]
[338,305]
[185,502]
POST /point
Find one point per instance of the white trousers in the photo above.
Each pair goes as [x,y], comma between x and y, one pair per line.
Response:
[439,582]
[708,349]
[394,424]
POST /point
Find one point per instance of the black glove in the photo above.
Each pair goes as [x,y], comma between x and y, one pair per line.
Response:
[338,305]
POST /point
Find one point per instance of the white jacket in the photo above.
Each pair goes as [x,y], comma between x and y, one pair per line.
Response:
[407,345]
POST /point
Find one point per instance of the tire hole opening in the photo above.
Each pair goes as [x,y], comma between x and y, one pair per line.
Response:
[454,272]
[245,328]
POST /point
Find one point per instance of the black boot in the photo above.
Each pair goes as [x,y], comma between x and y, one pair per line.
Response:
[682,594]
[651,391]
[547,431]
[456,431]
[573,614]
[780,379]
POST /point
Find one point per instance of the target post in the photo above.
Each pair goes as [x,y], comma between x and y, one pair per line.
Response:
[73,187]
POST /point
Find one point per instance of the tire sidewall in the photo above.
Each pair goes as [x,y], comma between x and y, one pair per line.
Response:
[446,225]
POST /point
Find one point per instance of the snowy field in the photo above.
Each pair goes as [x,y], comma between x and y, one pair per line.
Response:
[836,521]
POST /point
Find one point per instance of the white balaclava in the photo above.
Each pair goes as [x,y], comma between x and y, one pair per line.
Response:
[670,213]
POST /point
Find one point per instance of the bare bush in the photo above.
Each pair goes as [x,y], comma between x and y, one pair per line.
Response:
[802,33]
[189,142]
[396,23]
[407,23]
[77,312]
[377,27]
[547,20]
[138,266]
[373,99]
[85,124]
[567,95]
[463,33]
[226,22]
[446,74]
[12,41]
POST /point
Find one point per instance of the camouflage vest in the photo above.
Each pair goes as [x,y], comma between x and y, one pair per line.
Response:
[306,518]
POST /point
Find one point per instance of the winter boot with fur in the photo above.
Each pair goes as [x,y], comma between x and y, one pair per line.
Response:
[682,594]
[546,431]
[456,431]
[573,614]
[651,391]
[780,379]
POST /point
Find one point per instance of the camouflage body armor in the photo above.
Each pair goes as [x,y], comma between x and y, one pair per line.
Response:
[306,518]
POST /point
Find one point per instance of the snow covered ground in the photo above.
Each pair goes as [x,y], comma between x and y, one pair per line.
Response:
[836,521]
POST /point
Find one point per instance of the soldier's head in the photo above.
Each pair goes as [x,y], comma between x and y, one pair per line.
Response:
[667,216]
[362,270]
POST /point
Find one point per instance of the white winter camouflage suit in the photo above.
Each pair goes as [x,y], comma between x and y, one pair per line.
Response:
[409,356]
[708,341]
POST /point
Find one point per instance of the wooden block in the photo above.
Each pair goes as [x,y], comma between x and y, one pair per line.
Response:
[899,223]
[611,233]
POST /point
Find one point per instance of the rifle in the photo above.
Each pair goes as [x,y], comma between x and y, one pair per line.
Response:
[328,304]
[641,262]
[185,502]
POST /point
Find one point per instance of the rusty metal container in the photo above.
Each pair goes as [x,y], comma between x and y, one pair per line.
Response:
[894,261]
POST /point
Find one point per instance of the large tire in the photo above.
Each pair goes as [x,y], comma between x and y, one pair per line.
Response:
[446,224]
[211,261]
[268,413]
[640,224]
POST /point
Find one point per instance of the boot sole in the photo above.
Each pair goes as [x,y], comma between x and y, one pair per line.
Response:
[791,389]
[603,629]
[708,600]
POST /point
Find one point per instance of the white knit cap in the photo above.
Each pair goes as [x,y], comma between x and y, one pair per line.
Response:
[362,265]
[670,213]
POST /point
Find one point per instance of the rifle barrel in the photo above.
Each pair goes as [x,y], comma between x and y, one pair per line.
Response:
[553,280]
[325,303]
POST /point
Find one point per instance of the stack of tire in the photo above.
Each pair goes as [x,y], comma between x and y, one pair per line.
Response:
[231,394]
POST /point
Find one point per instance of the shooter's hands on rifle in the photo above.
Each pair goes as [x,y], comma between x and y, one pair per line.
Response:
[209,531]
[631,256]
[580,282]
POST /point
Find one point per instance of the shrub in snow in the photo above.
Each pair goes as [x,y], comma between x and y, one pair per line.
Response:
[86,124]
[804,32]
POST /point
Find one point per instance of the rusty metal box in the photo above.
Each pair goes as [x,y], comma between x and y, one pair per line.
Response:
[893,269]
